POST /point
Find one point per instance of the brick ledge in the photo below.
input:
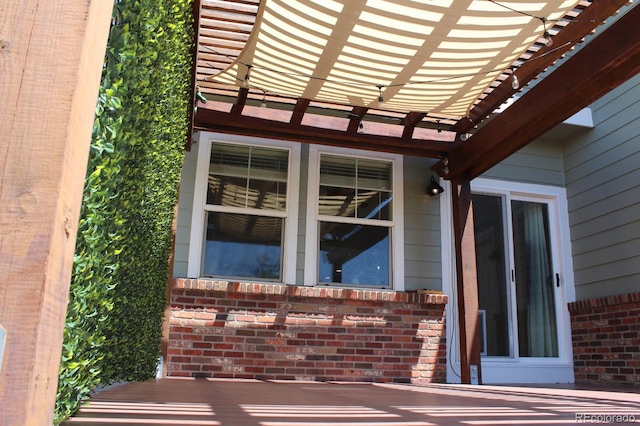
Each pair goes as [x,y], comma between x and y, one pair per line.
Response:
[315,292]
[598,302]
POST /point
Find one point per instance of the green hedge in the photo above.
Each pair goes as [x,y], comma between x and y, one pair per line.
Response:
[121,266]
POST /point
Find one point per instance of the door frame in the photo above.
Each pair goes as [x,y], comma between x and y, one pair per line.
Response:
[520,370]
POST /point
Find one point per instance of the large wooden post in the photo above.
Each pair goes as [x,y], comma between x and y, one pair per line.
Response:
[51,55]
[467,281]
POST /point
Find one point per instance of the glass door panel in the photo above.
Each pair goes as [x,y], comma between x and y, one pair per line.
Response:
[516,285]
[493,291]
[535,291]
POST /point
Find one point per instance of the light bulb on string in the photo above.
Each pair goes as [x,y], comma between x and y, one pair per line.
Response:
[546,35]
[263,104]
[514,80]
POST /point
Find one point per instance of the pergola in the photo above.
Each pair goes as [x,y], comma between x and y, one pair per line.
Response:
[57,49]
[421,79]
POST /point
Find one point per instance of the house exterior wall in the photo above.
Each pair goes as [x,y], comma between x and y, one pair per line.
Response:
[275,331]
[540,162]
[185,209]
[597,167]
[606,340]
[271,331]
[421,230]
[602,176]
[603,188]
[423,267]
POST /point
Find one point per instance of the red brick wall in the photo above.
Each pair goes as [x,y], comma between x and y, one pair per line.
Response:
[606,340]
[268,331]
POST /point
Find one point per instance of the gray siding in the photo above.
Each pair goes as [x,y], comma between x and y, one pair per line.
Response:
[302,212]
[603,188]
[539,162]
[185,208]
[423,268]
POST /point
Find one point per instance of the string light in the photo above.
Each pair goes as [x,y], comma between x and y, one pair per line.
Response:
[547,35]
[514,80]
[263,104]
[380,97]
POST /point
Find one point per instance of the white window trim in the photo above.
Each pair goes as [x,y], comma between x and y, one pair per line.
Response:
[397,227]
[547,370]
[196,238]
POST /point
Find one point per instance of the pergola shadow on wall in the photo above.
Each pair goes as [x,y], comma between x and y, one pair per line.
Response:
[246,84]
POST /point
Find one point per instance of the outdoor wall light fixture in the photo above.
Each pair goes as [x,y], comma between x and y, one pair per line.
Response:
[434,187]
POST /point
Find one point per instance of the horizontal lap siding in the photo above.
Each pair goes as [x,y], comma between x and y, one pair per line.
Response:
[603,188]
[185,209]
[540,162]
[423,266]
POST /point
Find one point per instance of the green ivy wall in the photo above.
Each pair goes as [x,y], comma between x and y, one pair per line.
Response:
[121,266]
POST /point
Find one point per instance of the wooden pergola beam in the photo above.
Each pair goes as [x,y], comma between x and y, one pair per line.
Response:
[588,20]
[410,122]
[323,132]
[602,65]
[466,279]
[241,101]
[46,131]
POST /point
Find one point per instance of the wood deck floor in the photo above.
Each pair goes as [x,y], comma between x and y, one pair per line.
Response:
[271,403]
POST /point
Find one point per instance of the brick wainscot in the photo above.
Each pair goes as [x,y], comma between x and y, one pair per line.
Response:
[606,340]
[271,331]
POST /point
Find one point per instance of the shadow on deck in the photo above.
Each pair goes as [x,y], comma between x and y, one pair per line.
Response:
[279,403]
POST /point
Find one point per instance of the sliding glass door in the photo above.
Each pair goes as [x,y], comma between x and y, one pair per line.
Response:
[517,282]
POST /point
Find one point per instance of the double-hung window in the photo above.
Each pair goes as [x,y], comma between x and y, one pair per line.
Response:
[354,221]
[248,210]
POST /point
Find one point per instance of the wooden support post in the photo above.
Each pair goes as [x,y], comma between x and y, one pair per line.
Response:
[467,282]
[52,54]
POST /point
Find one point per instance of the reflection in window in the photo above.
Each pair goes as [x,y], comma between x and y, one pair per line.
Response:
[354,254]
[354,187]
[246,203]
[247,176]
[354,207]
[243,246]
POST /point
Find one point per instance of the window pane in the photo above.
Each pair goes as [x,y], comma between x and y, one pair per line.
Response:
[243,246]
[354,254]
[267,195]
[535,287]
[341,178]
[373,174]
[246,176]
[493,293]
[338,171]
[374,204]
[336,201]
